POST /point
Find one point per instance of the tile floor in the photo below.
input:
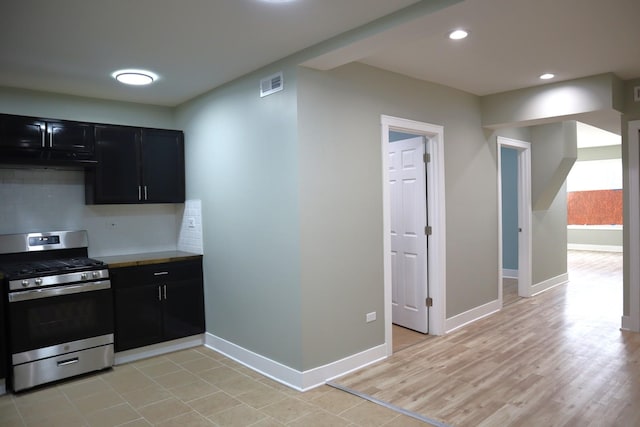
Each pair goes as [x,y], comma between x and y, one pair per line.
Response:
[195,387]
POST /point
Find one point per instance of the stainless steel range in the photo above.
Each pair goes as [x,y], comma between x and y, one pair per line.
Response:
[59,307]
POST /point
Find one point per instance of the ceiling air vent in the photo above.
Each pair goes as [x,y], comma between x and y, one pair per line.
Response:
[271,84]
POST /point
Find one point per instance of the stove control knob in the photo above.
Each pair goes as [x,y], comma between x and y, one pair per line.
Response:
[83,276]
[25,283]
[38,281]
[95,274]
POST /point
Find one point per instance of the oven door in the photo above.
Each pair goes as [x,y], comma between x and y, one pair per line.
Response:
[58,315]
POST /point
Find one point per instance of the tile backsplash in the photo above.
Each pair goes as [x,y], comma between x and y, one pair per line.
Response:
[190,237]
[38,199]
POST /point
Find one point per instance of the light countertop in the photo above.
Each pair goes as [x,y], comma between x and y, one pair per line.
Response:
[117,261]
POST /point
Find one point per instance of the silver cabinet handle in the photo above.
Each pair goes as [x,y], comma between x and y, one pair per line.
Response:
[145,193]
[159,294]
[165,291]
[139,192]
[44,130]
[161,273]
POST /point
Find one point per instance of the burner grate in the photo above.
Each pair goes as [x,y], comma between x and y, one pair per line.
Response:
[23,270]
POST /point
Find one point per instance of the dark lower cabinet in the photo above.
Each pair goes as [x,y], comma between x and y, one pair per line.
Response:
[182,317]
[157,302]
[3,340]
[138,316]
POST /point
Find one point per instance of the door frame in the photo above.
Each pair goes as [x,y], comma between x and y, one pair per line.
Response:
[525,287]
[436,243]
[632,321]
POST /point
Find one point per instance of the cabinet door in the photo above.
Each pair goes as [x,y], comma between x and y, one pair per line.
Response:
[183,309]
[3,345]
[138,316]
[71,136]
[23,133]
[162,155]
[116,178]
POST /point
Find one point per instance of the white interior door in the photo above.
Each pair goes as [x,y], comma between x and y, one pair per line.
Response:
[408,195]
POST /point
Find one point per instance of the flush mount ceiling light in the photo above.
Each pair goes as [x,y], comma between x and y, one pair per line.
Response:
[458,34]
[547,76]
[134,77]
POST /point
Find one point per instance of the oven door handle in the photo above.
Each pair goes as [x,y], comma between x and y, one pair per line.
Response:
[59,290]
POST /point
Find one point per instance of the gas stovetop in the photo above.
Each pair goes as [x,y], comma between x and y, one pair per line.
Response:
[49,267]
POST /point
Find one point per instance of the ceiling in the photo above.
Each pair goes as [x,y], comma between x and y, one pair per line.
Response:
[73,46]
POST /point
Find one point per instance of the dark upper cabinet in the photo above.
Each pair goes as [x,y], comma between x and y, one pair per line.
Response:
[116,177]
[31,140]
[157,302]
[22,133]
[136,166]
[71,136]
[162,159]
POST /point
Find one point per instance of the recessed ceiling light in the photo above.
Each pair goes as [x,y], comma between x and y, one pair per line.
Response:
[547,76]
[458,34]
[134,77]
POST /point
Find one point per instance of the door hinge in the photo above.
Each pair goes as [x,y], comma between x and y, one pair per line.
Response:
[426,157]
[429,302]
[428,230]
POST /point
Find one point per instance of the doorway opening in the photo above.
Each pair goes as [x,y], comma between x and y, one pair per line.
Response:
[510,225]
[514,228]
[595,198]
[432,140]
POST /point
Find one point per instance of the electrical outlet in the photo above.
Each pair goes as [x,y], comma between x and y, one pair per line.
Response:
[636,93]
[371,316]
[191,222]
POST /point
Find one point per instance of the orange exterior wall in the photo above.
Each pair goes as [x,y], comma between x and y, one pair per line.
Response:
[599,207]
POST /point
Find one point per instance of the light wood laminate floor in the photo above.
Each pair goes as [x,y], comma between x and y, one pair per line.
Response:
[557,359]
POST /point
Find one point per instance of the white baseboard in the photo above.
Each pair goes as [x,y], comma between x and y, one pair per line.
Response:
[549,283]
[627,324]
[298,380]
[463,319]
[509,273]
[158,349]
[594,248]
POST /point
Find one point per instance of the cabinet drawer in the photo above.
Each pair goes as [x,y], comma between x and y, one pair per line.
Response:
[155,273]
